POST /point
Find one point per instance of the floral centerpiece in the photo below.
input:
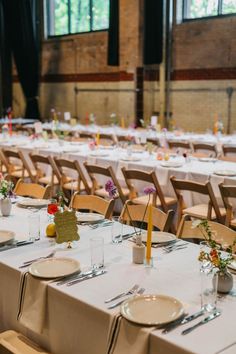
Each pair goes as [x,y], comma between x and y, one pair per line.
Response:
[6,192]
[217,257]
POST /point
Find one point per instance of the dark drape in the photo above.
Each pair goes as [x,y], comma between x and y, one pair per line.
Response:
[5,62]
[113,34]
[153,31]
[25,49]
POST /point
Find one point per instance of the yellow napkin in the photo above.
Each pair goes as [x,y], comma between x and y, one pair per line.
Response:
[32,303]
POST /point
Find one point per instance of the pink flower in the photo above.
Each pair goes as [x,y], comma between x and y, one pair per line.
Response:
[149,190]
[110,188]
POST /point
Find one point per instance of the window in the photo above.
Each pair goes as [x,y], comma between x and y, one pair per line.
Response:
[76,16]
[208,8]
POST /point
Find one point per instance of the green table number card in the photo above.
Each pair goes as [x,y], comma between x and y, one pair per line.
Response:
[66,227]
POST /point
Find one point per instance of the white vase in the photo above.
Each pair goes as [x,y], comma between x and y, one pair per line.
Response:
[6,206]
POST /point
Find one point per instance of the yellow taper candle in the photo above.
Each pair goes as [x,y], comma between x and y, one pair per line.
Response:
[122,122]
[149,233]
[98,138]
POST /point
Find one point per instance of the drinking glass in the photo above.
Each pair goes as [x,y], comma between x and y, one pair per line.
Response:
[116,230]
[34,226]
[97,252]
[204,247]
[209,284]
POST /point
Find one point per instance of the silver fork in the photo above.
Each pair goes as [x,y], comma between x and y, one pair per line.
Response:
[129,292]
[139,292]
[28,263]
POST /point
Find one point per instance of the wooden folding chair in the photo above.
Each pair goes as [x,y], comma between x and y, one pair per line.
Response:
[41,176]
[12,342]
[107,139]
[71,184]
[229,149]
[175,145]
[139,213]
[93,203]
[154,141]
[201,211]
[17,166]
[208,149]
[222,234]
[94,170]
[32,190]
[158,199]
[228,191]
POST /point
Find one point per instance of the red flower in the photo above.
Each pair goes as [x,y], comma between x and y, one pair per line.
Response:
[52,208]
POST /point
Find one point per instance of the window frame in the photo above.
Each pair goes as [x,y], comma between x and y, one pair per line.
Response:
[50,19]
[218,15]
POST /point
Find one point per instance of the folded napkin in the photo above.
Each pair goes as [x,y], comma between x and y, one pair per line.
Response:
[32,303]
[128,338]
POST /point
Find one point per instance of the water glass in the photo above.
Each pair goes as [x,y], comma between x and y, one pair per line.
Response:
[97,252]
[116,230]
[209,284]
[34,226]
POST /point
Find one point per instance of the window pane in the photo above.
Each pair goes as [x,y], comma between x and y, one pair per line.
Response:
[80,16]
[60,17]
[201,8]
[100,11]
[229,6]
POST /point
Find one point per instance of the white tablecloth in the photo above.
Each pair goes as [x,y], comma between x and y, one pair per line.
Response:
[78,320]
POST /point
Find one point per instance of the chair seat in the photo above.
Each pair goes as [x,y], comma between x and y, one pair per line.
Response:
[47,180]
[144,199]
[201,211]
[101,192]
[73,185]
[13,342]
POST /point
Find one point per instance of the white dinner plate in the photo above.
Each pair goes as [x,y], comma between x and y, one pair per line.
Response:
[207,159]
[228,173]
[54,267]
[152,310]
[89,217]
[130,158]
[6,237]
[33,203]
[232,265]
[160,237]
[171,164]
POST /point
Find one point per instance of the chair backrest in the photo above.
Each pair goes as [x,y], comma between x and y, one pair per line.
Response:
[86,135]
[38,159]
[12,158]
[201,188]
[104,171]
[174,144]
[223,234]
[154,141]
[227,191]
[32,190]
[107,139]
[210,148]
[229,149]
[149,177]
[63,164]
[93,203]
[138,212]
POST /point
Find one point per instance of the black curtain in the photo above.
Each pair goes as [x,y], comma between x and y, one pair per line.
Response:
[25,49]
[153,31]
[113,34]
[5,62]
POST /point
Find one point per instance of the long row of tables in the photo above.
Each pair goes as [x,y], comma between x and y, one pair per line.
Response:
[77,319]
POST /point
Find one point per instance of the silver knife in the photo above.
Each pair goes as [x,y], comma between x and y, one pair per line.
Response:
[90,276]
[204,321]
[76,276]
[169,327]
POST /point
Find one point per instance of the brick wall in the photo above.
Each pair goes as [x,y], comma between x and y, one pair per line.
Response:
[76,78]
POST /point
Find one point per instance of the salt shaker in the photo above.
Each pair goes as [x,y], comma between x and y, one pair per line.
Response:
[138,250]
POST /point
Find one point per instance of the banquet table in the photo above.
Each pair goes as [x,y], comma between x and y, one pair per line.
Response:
[192,168]
[77,319]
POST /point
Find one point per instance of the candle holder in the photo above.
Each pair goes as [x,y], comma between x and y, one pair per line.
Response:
[148,262]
